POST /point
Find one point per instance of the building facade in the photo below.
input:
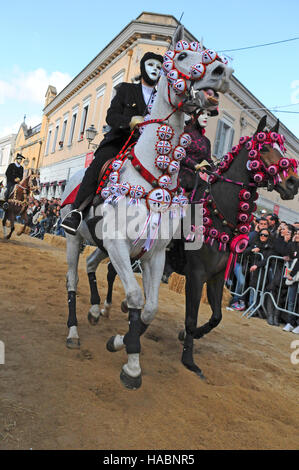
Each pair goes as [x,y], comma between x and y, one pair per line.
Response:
[7,144]
[85,100]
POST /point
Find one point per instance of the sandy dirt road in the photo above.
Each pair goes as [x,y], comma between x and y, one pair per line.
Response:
[55,398]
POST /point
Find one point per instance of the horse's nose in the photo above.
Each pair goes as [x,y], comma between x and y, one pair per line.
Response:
[218,71]
[292,184]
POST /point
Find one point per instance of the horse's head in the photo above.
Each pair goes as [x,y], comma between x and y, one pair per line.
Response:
[268,161]
[34,182]
[195,76]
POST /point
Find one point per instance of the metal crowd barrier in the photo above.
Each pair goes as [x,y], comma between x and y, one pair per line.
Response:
[279,302]
[242,288]
[271,271]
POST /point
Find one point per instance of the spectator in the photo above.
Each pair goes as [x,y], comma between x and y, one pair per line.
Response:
[262,224]
[273,222]
[263,245]
[293,281]
[238,301]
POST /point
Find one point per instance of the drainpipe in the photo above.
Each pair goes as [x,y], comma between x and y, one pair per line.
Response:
[130,54]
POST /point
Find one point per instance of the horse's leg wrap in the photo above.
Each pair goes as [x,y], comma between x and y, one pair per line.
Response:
[72,319]
[94,294]
[136,329]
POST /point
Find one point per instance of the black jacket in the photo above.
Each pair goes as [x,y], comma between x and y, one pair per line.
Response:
[13,172]
[127,102]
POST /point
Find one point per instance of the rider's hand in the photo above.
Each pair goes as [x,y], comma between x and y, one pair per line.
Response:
[253,268]
[202,164]
[17,180]
[135,120]
[255,250]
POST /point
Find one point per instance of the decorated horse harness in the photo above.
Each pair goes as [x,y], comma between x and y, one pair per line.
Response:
[260,176]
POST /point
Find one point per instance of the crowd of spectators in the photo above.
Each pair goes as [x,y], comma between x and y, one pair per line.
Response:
[44,217]
[269,236]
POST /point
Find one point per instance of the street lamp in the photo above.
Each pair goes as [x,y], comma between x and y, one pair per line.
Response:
[90,133]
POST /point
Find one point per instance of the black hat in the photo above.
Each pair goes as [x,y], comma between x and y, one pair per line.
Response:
[19,156]
[147,56]
[214,111]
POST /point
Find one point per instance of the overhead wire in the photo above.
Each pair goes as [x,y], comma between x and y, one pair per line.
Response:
[259,45]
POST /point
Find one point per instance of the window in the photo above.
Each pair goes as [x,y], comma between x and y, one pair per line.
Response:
[61,142]
[83,121]
[73,123]
[224,138]
[48,141]
[55,136]
[98,109]
[116,79]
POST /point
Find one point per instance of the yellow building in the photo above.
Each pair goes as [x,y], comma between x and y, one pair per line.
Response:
[85,100]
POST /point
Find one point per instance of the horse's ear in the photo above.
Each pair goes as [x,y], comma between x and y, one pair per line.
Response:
[261,124]
[276,127]
[178,35]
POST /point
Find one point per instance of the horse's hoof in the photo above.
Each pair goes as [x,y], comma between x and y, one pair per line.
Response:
[110,345]
[124,307]
[92,319]
[194,368]
[182,335]
[132,383]
[73,343]
[200,374]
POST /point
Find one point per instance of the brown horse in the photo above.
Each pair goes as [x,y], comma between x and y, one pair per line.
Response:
[19,201]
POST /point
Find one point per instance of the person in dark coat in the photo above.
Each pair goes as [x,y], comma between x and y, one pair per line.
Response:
[127,108]
[292,276]
[264,246]
[198,151]
[14,174]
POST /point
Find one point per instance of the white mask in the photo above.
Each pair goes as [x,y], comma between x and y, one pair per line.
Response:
[203,118]
[152,68]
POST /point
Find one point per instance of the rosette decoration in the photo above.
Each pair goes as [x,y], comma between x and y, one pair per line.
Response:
[136,193]
[158,200]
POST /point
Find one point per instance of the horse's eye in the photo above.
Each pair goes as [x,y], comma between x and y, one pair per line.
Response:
[264,149]
[182,56]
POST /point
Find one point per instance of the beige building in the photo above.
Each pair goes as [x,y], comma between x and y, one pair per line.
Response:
[85,100]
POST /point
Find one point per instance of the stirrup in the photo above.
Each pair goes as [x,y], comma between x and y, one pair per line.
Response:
[71,230]
[5,206]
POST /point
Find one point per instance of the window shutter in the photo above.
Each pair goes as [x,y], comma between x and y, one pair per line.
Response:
[217,139]
[231,139]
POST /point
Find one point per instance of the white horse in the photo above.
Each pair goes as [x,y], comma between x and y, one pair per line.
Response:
[193,81]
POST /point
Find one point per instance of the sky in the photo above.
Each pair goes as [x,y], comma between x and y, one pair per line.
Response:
[46,43]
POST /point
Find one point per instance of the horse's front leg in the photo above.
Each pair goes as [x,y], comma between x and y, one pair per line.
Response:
[25,218]
[12,226]
[194,285]
[92,262]
[73,252]
[152,274]
[119,255]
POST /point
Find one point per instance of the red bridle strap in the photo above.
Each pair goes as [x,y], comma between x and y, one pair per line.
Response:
[151,179]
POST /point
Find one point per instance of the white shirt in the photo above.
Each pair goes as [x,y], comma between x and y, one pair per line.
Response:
[146,91]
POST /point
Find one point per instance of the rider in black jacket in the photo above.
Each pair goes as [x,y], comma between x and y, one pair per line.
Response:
[126,110]
[14,174]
